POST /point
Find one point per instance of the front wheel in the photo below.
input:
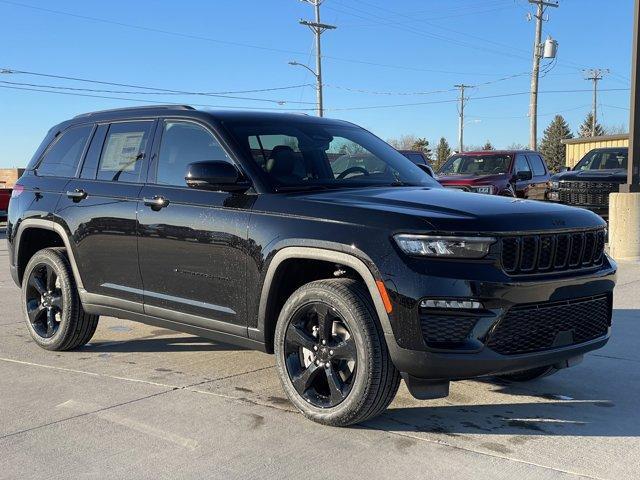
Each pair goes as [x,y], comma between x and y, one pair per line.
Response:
[55,318]
[331,355]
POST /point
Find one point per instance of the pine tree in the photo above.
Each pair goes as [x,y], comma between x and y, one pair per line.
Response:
[551,146]
[422,145]
[487,146]
[443,152]
[585,128]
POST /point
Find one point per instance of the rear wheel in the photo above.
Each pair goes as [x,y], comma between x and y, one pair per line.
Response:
[331,356]
[52,309]
[528,375]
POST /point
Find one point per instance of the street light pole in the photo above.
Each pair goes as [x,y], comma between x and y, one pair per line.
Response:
[317,28]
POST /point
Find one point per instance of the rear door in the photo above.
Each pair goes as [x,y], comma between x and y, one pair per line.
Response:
[193,244]
[100,209]
[540,177]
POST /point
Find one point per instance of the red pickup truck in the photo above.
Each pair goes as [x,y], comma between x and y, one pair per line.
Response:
[5,195]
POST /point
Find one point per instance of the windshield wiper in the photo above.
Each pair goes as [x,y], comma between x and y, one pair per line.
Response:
[293,188]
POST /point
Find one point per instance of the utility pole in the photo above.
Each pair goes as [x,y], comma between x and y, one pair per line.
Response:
[595,75]
[535,71]
[463,100]
[633,175]
[318,29]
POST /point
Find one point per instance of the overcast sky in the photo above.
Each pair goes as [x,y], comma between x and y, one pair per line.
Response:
[402,58]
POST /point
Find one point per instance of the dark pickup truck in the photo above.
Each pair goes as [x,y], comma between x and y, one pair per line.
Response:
[5,196]
[588,185]
[304,237]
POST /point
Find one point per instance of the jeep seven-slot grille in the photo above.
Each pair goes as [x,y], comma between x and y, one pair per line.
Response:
[527,254]
[532,328]
[586,193]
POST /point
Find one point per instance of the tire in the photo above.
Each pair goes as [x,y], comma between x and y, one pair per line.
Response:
[51,305]
[355,354]
[528,375]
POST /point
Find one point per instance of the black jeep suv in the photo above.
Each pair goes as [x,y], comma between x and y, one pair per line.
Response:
[304,237]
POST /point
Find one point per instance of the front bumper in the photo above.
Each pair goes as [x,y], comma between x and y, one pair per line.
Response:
[413,355]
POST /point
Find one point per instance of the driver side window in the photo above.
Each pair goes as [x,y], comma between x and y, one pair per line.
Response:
[184,143]
[521,164]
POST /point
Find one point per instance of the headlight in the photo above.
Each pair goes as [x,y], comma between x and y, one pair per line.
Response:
[555,184]
[444,247]
[488,189]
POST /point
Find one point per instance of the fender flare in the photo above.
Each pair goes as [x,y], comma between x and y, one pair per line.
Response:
[52,226]
[314,253]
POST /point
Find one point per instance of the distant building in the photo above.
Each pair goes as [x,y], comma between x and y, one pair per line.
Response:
[9,176]
[576,148]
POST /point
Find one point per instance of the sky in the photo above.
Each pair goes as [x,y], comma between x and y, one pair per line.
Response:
[388,66]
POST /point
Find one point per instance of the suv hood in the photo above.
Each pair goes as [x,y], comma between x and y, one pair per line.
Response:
[447,210]
[471,179]
[617,175]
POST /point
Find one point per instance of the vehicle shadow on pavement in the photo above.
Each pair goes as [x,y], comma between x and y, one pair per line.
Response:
[165,344]
[593,399]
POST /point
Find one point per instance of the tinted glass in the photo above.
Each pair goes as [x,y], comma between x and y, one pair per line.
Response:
[490,164]
[62,159]
[536,165]
[521,164]
[184,143]
[318,154]
[604,160]
[415,158]
[123,151]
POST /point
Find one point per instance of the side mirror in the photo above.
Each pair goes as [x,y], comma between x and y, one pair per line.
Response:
[426,168]
[214,175]
[525,175]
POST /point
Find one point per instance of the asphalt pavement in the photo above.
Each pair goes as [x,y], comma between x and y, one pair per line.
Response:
[144,402]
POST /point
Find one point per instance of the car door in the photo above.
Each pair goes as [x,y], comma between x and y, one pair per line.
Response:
[522,176]
[193,243]
[100,210]
[540,177]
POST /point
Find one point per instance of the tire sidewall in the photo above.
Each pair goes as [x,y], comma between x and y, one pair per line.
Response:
[364,353]
[67,288]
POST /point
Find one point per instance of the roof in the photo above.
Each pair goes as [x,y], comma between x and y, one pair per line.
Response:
[498,152]
[601,138]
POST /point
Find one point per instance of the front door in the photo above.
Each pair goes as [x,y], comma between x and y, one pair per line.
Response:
[540,177]
[100,210]
[193,243]
[523,187]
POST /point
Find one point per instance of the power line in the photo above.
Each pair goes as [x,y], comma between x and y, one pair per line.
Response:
[146,100]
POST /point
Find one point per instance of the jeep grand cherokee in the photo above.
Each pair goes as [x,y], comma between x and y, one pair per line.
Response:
[304,237]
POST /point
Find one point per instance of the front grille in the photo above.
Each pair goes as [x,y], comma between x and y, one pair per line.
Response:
[443,331]
[528,254]
[532,328]
[595,194]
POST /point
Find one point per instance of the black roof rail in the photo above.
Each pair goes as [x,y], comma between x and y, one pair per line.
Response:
[145,107]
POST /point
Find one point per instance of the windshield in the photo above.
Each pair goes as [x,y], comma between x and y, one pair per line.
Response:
[491,164]
[305,154]
[603,160]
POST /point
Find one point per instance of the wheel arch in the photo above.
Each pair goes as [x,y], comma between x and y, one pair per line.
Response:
[51,234]
[268,312]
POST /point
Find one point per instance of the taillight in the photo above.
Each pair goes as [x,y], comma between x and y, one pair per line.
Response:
[17,190]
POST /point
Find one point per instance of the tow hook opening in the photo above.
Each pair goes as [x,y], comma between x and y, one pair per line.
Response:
[426,389]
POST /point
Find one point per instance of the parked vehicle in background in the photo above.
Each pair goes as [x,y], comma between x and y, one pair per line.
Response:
[589,183]
[5,195]
[308,238]
[511,173]
[420,159]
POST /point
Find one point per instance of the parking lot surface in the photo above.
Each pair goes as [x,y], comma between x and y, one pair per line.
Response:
[144,402]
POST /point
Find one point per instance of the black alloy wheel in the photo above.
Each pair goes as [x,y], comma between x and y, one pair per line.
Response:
[320,354]
[44,300]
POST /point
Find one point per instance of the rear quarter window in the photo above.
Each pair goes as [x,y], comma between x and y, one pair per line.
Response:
[63,157]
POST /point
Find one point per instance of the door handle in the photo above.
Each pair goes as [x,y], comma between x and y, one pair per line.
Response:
[77,194]
[156,203]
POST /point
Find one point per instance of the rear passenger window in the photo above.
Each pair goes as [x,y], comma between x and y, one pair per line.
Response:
[536,165]
[184,143]
[61,160]
[123,151]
